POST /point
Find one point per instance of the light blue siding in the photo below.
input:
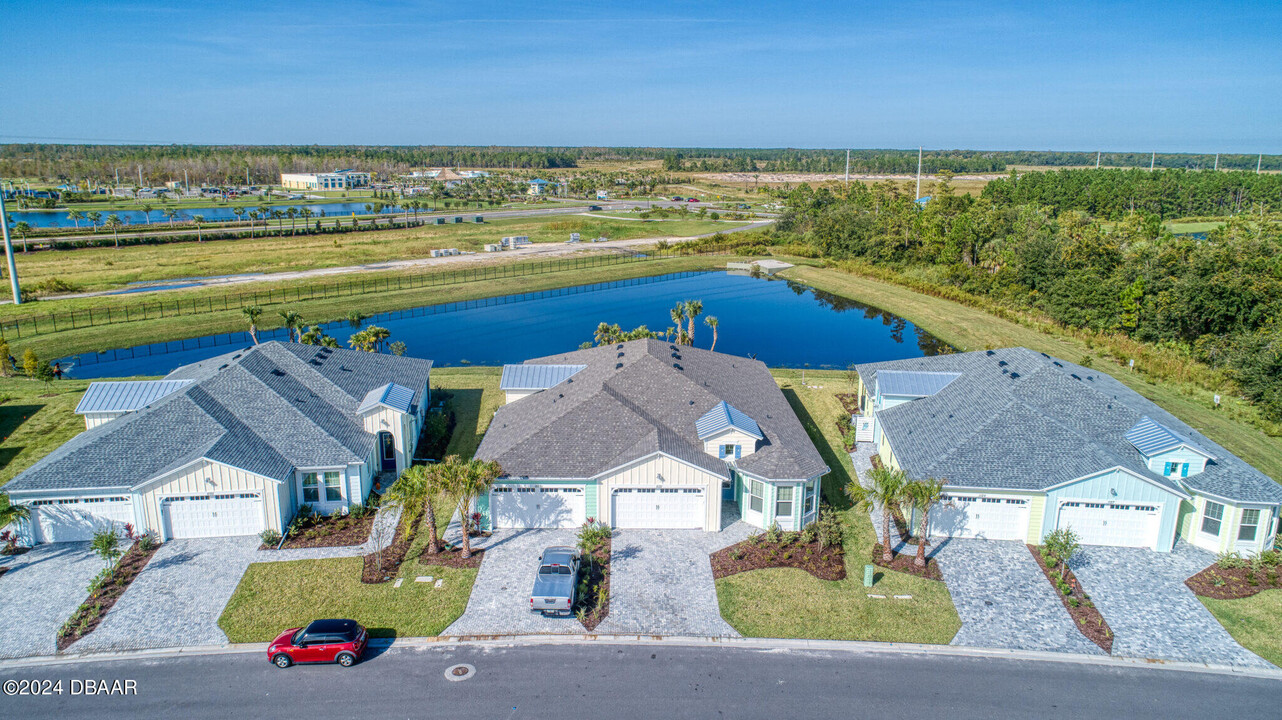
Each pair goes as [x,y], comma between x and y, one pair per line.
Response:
[1130,489]
[1197,463]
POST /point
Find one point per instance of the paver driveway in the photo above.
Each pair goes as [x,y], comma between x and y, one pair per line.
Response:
[38,594]
[177,598]
[1152,612]
[501,594]
[661,582]
[1004,600]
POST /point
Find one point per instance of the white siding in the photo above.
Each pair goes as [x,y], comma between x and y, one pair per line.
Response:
[730,436]
[1197,463]
[94,419]
[514,395]
[664,471]
[403,428]
[207,478]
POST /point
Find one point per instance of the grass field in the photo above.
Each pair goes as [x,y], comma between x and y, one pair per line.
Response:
[34,419]
[969,328]
[1255,622]
[791,603]
[109,268]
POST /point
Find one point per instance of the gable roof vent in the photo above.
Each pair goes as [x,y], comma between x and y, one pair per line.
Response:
[1014,375]
[1074,376]
[1001,363]
[990,353]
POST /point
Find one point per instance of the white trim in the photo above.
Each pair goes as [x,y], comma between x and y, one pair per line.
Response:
[651,456]
[1132,473]
[178,471]
[1174,446]
[1224,499]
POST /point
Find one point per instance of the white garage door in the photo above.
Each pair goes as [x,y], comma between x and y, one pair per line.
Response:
[197,516]
[537,506]
[1105,524]
[972,516]
[648,507]
[77,519]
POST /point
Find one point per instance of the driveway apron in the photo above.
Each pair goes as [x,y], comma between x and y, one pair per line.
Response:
[1004,600]
[1152,612]
[40,591]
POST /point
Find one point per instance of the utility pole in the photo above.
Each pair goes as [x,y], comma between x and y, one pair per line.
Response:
[918,172]
[1258,160]
[1097,154]
[140,176]
[186,183]
[1153,162]
[1217,162]
[847,167]
[117,177]
[8,252]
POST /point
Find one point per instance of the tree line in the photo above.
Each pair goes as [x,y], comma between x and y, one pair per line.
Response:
[1216,297]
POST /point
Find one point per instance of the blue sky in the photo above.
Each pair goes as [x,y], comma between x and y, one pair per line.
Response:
[1166,76]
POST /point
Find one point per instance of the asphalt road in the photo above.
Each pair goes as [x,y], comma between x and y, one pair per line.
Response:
[627,682]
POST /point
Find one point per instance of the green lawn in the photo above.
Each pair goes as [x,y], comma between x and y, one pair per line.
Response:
[785,602]
[277,595]
[968,328]
[1255,622]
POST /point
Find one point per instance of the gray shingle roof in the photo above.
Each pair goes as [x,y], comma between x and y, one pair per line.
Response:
[535,376]
[267,409]
[1019,419]
[124,396]
[640,397]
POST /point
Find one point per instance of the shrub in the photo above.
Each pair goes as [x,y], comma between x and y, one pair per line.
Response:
[147,541]
[357,511]
[1229,560]
[270,537]
[593,534]
[1062,545]
[774,534]
[99,580]
[1270,557]
[106,545]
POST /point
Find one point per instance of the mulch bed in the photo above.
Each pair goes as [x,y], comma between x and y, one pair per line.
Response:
[849,401]
[90,614]
[1088,619]
[1233,583]
[900,525]
[907,563]
[849,446]
[451,556]
[393,555]
[343,531]
[597,568]
[4,570]
[826,564]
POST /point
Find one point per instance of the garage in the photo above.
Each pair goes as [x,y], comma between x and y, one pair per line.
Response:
[975,516]
[198,516]
[654,507]
[1118,524]
[537,506]
[77,519]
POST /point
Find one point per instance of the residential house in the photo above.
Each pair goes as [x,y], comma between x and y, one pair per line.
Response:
[1028,443]
[648,434]
[233,445]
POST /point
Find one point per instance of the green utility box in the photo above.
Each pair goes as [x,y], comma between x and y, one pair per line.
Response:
[868,572]
[458,218]
[440,221]
[478,219]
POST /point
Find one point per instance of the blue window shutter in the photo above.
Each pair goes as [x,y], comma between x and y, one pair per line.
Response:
[738,450]
[1184,471]
[1166,469]
[721,451]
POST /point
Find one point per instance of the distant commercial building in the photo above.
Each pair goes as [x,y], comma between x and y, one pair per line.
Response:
[538,186]
[337,180]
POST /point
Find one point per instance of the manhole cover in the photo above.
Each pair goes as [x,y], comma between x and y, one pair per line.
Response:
[462,671]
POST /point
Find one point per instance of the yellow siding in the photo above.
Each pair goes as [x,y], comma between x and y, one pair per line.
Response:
[1036,518]
[93,420]
[663,471]
[731,437]
[208,477]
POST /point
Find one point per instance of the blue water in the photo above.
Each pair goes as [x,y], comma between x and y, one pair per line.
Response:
[781,323]
[213,213]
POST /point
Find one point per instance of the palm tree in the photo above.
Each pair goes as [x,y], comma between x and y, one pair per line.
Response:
[264,212]
[924,494]
[94,217]
[886,492]
[291,213]
[355,318]
[420,485]
[146,212]
[293,321]
[678,314]
[278,217]
[76,216]
[694,308]
[113,222]
[10,513]
[252,313]
[305,214]
[171,214]
[239,212]
[712,322]
[471,480]
[198,219]
[23,228]
[253,219]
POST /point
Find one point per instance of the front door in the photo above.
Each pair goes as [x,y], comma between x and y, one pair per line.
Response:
[388,446]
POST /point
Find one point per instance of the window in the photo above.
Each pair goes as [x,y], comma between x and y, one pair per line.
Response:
[311,488]
[1212,514]
[809,505]
[755,492]
[783,501]
[729,451]
[333,487]
[1250,524]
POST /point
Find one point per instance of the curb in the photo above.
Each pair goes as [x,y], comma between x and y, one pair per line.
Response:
[851,647]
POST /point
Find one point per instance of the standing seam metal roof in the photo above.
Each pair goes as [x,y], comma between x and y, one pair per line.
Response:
[913,384]
[536,377]
[1151,437]
[127,395]
[724,415]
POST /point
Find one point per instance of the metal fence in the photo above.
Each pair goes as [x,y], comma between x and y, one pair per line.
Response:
[53,322]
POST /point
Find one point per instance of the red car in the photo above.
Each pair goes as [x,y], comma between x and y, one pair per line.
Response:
[323,641]
[692,200]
